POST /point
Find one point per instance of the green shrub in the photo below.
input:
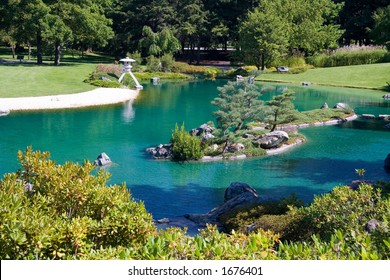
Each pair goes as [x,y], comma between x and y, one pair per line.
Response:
[105,84]
[351,55]
[153,64]
[182,67]
[167,62]
[345,209]
[51,211]
[212,72]
[185,146]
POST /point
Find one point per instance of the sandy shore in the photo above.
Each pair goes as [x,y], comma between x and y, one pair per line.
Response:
[99,96]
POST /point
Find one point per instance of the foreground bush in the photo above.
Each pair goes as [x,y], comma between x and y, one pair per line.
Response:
[51,211]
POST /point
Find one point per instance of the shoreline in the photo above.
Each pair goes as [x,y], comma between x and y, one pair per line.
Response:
[95,97]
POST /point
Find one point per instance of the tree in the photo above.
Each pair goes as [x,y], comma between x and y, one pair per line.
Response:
[356,18]
[263,36]
[281,109]
[237,103]
[381,31]
[57,23]
[276,28]
[192,25]
[158,43]
[313,24]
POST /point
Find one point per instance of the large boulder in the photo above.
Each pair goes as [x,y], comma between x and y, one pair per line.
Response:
[342,106]
[162,151]
[236,189]
[387,163]
[237,196]
[103,160]
[271,140]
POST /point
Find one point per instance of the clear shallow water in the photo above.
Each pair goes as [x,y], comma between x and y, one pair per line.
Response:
[329,157]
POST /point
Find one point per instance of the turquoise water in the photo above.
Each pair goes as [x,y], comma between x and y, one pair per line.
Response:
[329,157]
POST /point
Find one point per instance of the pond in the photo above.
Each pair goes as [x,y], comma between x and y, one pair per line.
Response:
[329,158]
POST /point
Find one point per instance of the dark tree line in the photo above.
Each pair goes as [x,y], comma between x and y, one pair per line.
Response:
[118,26]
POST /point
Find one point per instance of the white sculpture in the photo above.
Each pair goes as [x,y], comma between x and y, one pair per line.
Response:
[127,69]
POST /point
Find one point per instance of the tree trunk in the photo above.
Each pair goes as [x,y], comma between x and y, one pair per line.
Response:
[57,54]
[239,126]
[13,50]
[198,56]
[275,120]
[29,51]
[262,62]
[39,47]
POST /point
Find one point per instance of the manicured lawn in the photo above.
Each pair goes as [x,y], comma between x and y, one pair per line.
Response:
[32,80]
[373,76]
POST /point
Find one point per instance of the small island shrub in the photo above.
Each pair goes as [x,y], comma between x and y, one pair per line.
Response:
[185,146]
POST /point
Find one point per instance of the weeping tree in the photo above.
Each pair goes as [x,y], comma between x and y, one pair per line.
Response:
[280,110]
[237,104]
[158,43]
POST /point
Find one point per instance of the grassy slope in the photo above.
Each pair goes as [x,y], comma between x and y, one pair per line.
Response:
[33,80]
[373,76]
[29,79]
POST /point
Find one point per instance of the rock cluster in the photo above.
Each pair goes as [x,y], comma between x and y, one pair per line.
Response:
[162,151]
[205,131]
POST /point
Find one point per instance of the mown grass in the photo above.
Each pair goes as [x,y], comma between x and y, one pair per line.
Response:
[29,79]
[372,76]
[33,80]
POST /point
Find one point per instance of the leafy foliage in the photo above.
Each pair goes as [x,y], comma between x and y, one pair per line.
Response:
[66,211]
[51,211]
[185,146]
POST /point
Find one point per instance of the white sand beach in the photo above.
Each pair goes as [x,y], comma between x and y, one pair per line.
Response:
[99,96]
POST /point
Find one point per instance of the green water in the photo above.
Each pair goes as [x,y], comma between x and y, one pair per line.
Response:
[329,157]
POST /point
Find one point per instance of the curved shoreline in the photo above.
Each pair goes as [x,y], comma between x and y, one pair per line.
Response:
[96,97]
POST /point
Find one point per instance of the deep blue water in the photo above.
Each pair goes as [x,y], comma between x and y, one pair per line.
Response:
[329,157]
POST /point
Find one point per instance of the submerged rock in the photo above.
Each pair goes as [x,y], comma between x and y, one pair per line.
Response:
[387,163]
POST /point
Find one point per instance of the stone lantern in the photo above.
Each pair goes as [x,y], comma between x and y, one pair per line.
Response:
[127,69]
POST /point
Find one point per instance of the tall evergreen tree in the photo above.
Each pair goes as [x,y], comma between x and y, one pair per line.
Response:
[280,109]
[237,103]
